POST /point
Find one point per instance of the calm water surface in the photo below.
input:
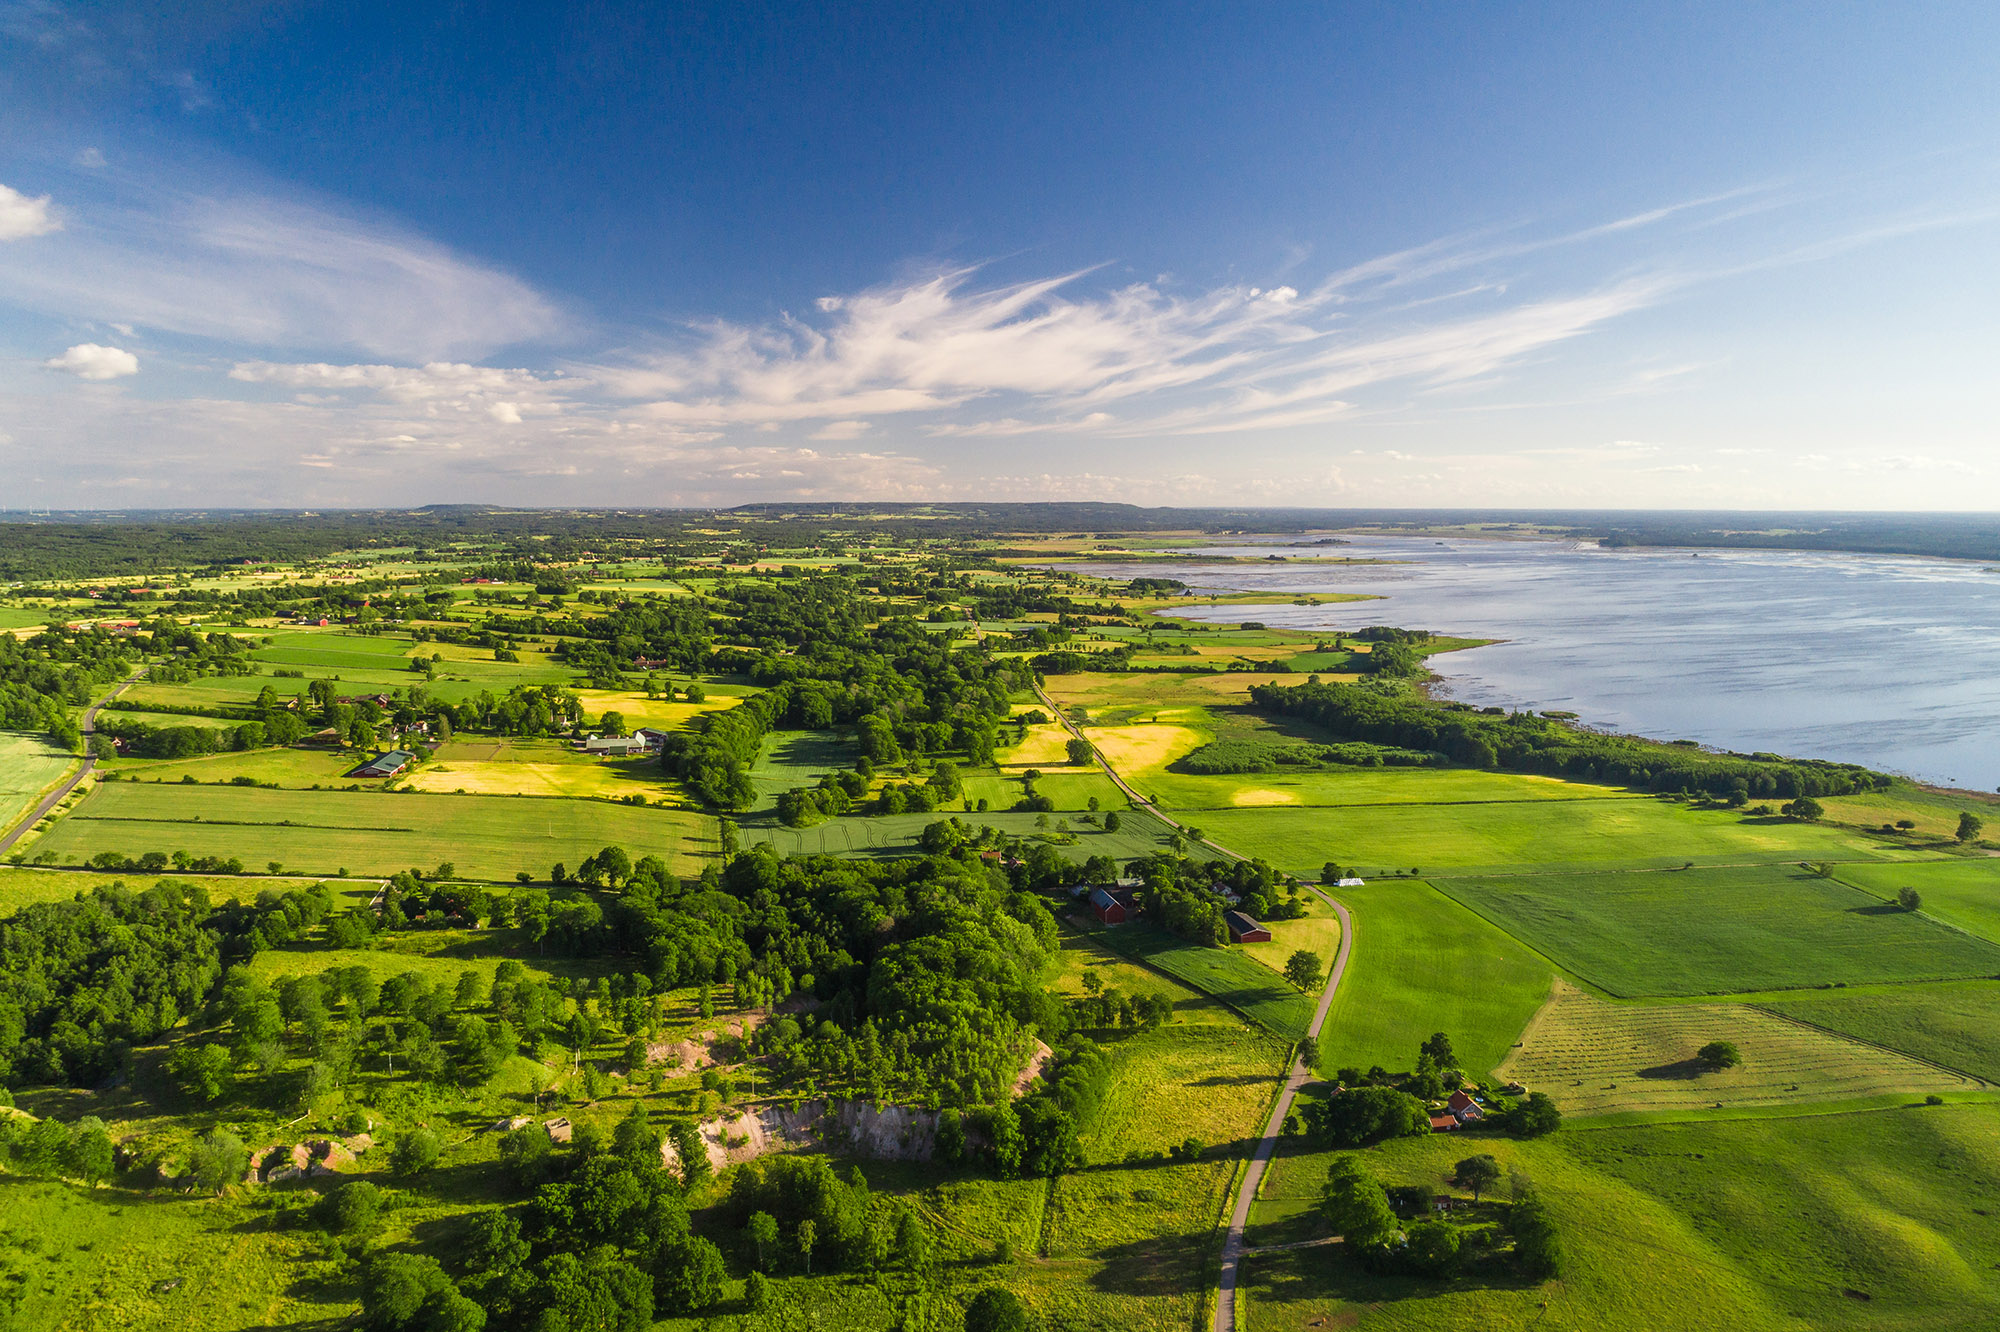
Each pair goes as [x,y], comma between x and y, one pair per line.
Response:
[1880,660]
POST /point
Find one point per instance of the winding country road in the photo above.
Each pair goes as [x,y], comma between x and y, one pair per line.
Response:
[1233,1248]
[56,796]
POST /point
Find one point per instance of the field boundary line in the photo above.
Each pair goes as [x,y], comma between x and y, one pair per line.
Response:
[1810,1025]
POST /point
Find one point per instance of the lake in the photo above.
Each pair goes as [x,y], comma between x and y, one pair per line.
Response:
[1888,661]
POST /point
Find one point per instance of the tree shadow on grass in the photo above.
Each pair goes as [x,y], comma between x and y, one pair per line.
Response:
[1877,909]
[1233,1080]
[1685,1070]
[1157,1265]
[1330,1276]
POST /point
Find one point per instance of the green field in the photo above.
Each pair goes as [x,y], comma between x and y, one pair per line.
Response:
[1547,835]
[1721,931]
[20,885]
[1421,963]
[1956,1023]
[321,832]
[1961,892]
[896,834]
[29,766]
[1873,1222]
[1246,986]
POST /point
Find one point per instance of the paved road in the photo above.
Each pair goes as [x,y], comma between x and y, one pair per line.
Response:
[1232,1243]
[55,797]
[1253,1178]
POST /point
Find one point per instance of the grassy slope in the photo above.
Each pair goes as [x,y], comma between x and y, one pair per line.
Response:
[1960,892]
[1956,1024]
[1744,1224]
[1421,963]
[1721,931]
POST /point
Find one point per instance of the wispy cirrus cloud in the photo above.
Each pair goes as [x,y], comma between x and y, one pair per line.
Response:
[1050,356]
[241,266]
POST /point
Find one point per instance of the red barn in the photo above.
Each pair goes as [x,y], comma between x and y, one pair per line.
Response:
[1243,929]
[1108,909]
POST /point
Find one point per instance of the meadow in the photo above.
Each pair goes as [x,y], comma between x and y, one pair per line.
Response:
[1720,931]
[21,885]
[324,832]
[1962,892]
[1421,963]
[1246,986]
[1139,834]
[29,766]
[1596,1057]
[1955,1023]
[1546,835]
[1867,1221]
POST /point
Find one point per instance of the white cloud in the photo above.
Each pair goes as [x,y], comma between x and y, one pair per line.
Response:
[435,381]
[506,413]
[89,158]
[249,268]
[87,360]
[841,430]
[23,217]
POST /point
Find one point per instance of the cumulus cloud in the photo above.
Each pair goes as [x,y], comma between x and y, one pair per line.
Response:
[23,217]
[87,360]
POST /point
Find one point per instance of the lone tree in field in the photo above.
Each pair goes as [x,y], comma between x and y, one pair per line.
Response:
[1303,968]
[1718,1055]
[1478,1173]
[1079,752]
[1969,825]
[1804,808]
[1908,899]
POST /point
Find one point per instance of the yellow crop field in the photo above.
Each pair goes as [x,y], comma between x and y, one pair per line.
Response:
[1136,752]
[1595,1057]
[1046,746]
[660,713]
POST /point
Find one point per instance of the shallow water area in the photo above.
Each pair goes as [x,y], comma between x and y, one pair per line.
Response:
[1889,661]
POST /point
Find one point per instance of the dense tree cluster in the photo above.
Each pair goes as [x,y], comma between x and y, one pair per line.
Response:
[57,670]
[1389,714]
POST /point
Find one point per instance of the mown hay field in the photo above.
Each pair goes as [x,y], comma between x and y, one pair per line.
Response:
[321,832]
[1596,1057]
[1421,963]
[1721,931]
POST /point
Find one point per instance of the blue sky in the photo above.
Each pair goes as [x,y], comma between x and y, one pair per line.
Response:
[301,254]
